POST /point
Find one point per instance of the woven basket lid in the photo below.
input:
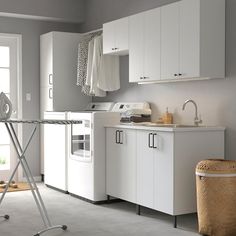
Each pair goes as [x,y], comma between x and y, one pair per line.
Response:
[216,166]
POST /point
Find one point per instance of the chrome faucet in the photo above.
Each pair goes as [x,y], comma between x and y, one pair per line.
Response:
[197,120]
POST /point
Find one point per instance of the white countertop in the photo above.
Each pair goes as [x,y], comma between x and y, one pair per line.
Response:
[166,128]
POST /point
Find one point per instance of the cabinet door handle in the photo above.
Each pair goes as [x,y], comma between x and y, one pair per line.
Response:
[180,74]
[50,79]
[120,137]
[149,140]
[175,75]
[117,133]
[141,77]
[145,77]
[50,93]
[153,141]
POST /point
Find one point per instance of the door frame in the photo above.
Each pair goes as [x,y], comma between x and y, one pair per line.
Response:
[18,39]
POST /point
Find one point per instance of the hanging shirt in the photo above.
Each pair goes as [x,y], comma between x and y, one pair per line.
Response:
[93,65]
[109,69]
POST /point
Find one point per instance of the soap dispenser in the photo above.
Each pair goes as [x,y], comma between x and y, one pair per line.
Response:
[167,117]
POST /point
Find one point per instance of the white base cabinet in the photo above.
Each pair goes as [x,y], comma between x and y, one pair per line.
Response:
[121,164]
[156,169]
[55,151]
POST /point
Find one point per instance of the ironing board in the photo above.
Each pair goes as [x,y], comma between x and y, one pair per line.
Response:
[26,169]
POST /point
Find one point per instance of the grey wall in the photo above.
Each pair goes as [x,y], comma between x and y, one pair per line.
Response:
[98,12]
[30,31]
[216,98]
[58,10]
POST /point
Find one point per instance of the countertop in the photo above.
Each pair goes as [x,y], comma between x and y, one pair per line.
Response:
[166,128]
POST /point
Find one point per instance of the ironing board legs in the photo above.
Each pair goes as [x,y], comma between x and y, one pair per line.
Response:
[28,174]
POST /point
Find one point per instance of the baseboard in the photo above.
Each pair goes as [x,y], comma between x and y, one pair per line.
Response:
[36,179]
[57,189]
[96,202]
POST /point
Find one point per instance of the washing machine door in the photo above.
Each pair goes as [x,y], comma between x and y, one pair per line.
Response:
[80,141]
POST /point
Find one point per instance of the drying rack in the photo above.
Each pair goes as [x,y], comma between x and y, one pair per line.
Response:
[26,169]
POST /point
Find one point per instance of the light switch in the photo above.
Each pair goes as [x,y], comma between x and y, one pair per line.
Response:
[28,96]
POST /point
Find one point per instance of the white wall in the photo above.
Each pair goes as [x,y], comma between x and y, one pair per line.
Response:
[216,98]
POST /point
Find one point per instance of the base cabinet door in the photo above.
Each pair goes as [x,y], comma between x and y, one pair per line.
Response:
[145,169]
[121,163]
[155,170]
[164,172]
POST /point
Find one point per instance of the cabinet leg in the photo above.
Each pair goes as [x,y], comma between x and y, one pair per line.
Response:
[138,210]
[175,221]
[108,198]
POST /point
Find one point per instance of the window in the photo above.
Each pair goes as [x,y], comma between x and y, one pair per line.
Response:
[4,87]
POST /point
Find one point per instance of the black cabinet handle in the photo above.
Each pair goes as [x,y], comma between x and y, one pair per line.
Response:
[117,133]
[145,77]
[180,74]
[175,75]
[120,135]
[153,140]
[141,77]
[149,140]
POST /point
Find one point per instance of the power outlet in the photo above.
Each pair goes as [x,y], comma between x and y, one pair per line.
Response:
[28,97]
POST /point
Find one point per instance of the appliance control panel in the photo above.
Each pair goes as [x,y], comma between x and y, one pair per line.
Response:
[124,106]
[99,106]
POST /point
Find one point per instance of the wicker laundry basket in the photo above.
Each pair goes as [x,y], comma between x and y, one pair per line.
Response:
[216,197]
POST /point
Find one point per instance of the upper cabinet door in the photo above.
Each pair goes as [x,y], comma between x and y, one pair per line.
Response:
[46,60]
[115,37]
[122,36]
[136,48]
[189,38]
[108,38]
[170,41]
[152,45]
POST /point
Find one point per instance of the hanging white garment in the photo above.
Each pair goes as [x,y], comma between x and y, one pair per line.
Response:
[93,69]
[109,69]
[82,61]
[89,63]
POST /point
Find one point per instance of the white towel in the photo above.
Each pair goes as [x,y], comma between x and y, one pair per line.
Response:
[89,63]
[109,70]
[93,69]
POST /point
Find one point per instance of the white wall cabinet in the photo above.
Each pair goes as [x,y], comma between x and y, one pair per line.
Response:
[115,37]
[145,46]
[58,68]
[121,163]
[159,166]
[186,42]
